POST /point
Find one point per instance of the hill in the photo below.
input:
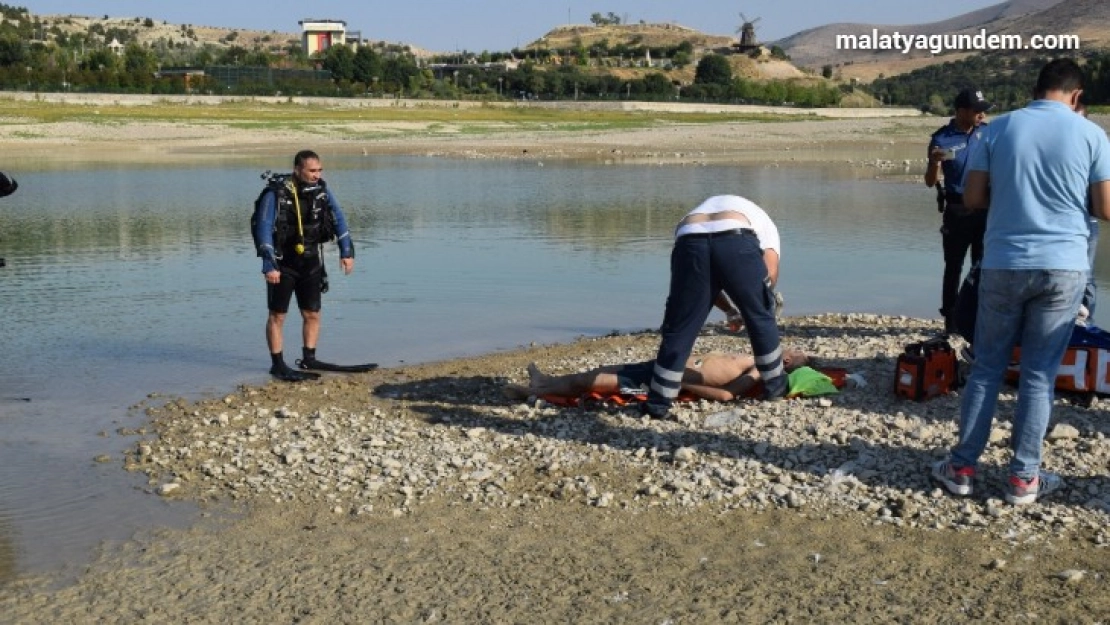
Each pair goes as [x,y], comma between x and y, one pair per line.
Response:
[153,32]
[648,35]
[150,31]
[816,47]
[760,66]
[1090,19]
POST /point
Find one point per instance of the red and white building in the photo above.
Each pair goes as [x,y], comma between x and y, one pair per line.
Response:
[317,35]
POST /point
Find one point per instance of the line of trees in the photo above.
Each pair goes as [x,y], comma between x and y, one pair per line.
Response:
[1006,79]
[368,71]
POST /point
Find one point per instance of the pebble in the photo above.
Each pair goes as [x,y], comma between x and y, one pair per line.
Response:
[1063,431]
[1071,576]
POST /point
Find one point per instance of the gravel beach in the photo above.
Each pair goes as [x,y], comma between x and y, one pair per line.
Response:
[421,494]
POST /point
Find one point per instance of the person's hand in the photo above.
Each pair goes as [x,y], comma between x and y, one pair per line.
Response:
[273,276]
[348,265]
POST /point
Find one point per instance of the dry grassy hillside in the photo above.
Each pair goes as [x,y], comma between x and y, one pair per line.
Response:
[191,34]
[668,35]
[650,35]
[1090,19]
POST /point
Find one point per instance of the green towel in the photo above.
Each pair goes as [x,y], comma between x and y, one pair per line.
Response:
[809,382]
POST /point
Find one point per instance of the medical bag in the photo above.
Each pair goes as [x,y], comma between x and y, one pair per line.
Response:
[926,370]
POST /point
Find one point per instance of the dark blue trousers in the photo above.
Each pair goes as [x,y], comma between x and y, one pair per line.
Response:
[702,265]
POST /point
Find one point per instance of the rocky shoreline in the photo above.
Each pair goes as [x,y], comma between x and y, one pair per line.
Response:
[388,441]
[395,447]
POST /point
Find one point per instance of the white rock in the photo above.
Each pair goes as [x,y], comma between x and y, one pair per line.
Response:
[1063,431]
[1072,576]
[723,419]
[685,454]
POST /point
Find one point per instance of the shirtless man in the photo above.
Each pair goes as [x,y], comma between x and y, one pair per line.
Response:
[715,376]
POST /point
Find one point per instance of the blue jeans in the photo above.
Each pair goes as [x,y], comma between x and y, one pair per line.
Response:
[1037,308]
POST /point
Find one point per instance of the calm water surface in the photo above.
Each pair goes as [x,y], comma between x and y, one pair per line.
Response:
[126,281]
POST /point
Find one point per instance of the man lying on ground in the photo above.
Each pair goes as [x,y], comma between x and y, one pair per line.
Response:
[715,376]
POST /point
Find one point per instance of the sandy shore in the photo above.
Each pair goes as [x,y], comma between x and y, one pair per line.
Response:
[860,134]
[421,494]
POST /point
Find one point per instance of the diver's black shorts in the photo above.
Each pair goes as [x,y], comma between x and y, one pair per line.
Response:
[305,283]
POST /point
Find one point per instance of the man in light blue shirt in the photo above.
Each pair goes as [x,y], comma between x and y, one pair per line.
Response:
[1034,170]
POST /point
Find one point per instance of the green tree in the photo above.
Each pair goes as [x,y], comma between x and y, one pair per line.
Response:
[713,69]
[11,52]
[138,60]
[102,59]
[257,58]
[658,84]
[367,65]
[340,61]
[235,55]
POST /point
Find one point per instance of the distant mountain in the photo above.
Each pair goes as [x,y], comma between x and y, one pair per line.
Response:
[816,47]
[1090,19]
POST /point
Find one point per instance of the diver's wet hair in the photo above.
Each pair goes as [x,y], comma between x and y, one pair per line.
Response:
[304,155]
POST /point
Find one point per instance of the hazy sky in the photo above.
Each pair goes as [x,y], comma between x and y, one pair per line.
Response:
[499,25]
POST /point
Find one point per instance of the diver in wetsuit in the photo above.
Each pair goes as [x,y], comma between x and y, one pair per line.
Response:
[297,214]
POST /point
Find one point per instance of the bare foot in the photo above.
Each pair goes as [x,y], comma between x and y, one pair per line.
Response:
[535,376]
[516,391]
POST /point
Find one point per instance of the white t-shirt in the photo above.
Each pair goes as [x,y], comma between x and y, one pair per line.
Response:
[758,220]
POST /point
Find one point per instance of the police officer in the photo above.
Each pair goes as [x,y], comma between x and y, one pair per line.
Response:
[949,149]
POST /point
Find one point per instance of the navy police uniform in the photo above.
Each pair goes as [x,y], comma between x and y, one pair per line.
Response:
[710,257]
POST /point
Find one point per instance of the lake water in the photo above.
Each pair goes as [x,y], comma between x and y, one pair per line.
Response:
[124,281]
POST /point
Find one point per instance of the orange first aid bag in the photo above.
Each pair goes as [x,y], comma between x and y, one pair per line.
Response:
[926,370]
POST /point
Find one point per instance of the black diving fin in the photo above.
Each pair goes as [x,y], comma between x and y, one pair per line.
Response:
[319,365]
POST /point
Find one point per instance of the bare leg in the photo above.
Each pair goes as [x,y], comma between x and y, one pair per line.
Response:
[571,385]
[275,321]
[311,330]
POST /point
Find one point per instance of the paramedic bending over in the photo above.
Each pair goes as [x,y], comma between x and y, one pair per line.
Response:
[727,244]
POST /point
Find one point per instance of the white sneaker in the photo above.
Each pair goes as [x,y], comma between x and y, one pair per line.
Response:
[1083,317]
[1020,492]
